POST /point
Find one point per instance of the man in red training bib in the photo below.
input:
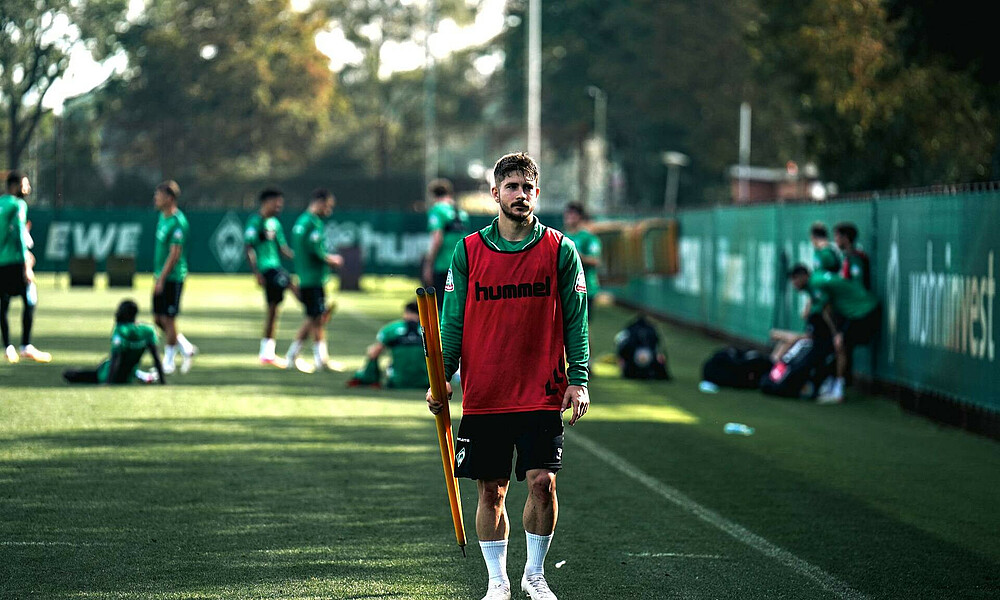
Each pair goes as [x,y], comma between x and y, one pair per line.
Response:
[515,317]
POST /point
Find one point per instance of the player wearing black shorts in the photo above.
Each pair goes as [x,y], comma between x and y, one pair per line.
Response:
[515,317]
[169,272]
[265,246]
[16,267]
[312,267]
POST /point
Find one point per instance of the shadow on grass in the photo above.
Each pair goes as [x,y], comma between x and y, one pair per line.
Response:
[338,508]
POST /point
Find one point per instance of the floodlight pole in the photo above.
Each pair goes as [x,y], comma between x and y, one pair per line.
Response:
[535,79]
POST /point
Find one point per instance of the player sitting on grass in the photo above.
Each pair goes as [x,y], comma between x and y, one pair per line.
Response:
[129,341]
[408,368]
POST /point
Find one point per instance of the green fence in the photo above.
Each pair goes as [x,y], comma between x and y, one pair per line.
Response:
[389,242]
[933,260]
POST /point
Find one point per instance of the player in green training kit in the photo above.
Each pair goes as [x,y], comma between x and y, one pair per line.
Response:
[129,341]
[169,272]
[17,276]
[265,245]
[312,267]
[588,245]
[515,312]
[856,317]
[447,225]
[408,368]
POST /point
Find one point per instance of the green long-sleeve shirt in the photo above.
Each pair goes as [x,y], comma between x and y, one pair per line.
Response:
[576,335]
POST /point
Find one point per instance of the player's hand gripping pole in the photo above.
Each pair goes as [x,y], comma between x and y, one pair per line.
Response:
[427,305]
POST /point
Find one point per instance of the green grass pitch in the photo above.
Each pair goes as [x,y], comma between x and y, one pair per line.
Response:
[242,481]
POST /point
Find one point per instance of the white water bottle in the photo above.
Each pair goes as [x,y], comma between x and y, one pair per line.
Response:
[738,429]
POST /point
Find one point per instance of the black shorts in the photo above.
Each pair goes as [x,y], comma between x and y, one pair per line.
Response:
[440,279]
[168,302]
[12,281]
[861,331]
[314,300]
[276,281]
[484,446]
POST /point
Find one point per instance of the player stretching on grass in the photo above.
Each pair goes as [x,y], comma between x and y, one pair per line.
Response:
[515,302]
[17,276]
[265,245]
[169,271]
[312,266]
[129,341]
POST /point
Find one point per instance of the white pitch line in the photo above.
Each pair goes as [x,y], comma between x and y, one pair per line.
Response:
[737,532]
[72,544]
[672,555]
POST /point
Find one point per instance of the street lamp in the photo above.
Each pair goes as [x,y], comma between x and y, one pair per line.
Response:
[600,111]
[674,161]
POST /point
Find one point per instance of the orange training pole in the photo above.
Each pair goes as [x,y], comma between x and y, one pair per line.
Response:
[427,305]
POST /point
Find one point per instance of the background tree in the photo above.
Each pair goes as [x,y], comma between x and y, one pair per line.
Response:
[222,88]
[876,116]
[35,40]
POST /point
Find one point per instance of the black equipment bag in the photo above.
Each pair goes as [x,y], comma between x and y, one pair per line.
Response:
[736,368]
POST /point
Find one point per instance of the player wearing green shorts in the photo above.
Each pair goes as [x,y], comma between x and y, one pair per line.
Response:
[129,342]
[265,245]
[402,338]
[169,271]
[312,268]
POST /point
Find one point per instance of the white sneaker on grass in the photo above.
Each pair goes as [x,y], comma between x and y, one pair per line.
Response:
[35,354]
[186,363]
[304,365]
[536,587]
[276,361]
[498,591]
[12,355]
[169,368]
[835,395]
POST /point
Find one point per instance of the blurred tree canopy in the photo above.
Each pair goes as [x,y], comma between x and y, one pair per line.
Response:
[222,88]
[877,93]
[35,40]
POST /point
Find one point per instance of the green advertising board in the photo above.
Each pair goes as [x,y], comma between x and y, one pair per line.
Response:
[389,242]
[933,261]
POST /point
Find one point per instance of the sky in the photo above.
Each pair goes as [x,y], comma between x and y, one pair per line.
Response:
[84,74]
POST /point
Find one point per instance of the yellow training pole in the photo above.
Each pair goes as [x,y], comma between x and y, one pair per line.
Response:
[427,305]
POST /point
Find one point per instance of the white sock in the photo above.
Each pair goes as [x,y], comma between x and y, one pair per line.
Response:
[293,350]
[267,346]
[538,547]
[838,385]
[495,555]
[320,353]
[168,354]
[186,347]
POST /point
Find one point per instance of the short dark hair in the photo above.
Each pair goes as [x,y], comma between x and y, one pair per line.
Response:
[170,187]
[321,195]
[126,312]
[578,209]
[799,269]
[848,230]
[517,162]
[440,188]
[15,178]
[818,230]
[411,307]
[268,193]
